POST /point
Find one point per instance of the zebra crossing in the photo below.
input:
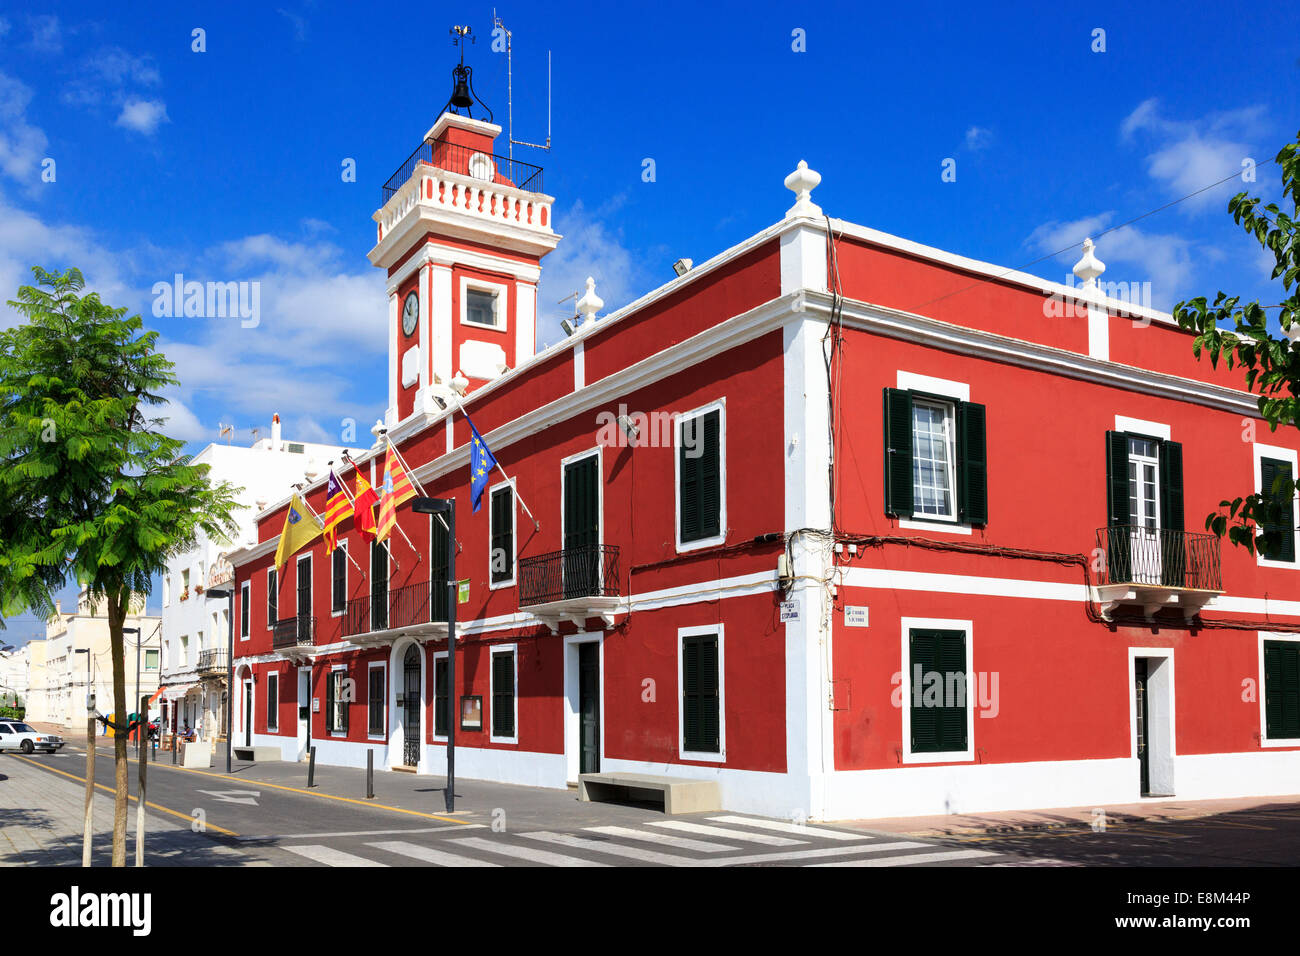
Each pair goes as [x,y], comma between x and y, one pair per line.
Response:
[715,841]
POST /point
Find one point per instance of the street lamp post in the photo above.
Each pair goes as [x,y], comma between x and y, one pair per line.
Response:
[229,595]
[138,642]
[444,509]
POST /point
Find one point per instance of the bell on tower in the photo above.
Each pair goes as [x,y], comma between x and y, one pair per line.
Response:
[463,96]
[461,232]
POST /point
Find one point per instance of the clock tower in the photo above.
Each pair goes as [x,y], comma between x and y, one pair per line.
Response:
[461,233]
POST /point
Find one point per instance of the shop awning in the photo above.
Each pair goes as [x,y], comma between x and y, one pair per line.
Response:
[176,691]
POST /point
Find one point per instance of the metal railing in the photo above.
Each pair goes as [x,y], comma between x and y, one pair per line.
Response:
[1160,558]
[467,161]
[294,632]
[399,607]
[213,659]
[586,571]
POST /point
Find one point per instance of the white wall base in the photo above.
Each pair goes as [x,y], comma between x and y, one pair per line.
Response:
[1268,773]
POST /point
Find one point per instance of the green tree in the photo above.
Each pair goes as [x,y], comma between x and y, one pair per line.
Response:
[1238,334]
[90,490]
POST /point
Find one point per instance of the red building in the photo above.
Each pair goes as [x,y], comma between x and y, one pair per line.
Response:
[956,568]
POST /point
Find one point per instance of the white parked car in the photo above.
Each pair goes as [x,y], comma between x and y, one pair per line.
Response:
[15,735]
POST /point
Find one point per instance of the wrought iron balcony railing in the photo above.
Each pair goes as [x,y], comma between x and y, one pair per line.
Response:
[400,607]
[294,632]
[1160,558]
[212,660]
[586,571]
[466,161]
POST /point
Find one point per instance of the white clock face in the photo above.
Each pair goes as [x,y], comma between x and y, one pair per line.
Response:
[410,310]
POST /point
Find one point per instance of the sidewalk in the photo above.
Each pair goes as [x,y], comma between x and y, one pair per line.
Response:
[1067,818]
[42,818]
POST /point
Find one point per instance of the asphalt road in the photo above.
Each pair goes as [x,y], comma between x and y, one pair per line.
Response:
[265,813]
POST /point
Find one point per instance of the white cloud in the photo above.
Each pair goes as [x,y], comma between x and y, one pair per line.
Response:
[107,73]
[47,34]
[1191,154]
[181,423]
[22,145]
[977,138]
[143,116]
[589,248]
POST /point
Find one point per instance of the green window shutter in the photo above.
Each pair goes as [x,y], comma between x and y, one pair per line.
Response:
[272,702]
[701,714]
[699,459]
[1116,479]
[1171,486]
[898,453]
[938,728]
[440,698]
[1283,532]
[329,703]
[338,579]
[272,596]
[438,571]
[503,695]
[1282,689]
[375,701]
[503,534]
[972,464]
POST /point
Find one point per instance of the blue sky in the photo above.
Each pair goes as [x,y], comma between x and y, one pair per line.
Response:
[225,165]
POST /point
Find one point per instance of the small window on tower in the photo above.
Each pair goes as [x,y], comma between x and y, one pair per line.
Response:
[480,307]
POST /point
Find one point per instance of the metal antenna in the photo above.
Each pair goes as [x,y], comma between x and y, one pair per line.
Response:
[510,95]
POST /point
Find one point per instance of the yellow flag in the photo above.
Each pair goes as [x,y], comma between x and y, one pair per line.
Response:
[300,527]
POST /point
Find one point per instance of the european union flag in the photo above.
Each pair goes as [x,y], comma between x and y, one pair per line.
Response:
[481,463]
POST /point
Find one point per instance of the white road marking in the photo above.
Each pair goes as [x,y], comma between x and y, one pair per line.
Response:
[815,854]
[498,845]
[353,833]
[704,830]
[648,836]
[911,859]
[614,849]
[248,797]
[329,856]
[794,828]
[429,855]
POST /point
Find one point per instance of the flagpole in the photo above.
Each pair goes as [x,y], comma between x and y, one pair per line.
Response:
[322,524]
[410,473]
[395,522]
[353,503]
[353,500]
[518,497]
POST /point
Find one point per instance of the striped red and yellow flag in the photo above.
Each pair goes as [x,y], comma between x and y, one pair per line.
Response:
[364,508]
[337,508]
[396,488]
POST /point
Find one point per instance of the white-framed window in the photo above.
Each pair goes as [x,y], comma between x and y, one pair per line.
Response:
[1271,459]
[700,477]
[185,651]
[934,458]
[1144,482]
[483,303]
[939,710]
[167,590]
[245,590]
[505,698]
[701,694]
[502,540]
[339,579]
[272,702]
[376,691]
[272,599]
[1279,676]
[336,702]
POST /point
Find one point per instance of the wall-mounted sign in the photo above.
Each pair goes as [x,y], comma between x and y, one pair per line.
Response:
[855,616]
[462,592]
[789,611]
[315,705]
[471,712]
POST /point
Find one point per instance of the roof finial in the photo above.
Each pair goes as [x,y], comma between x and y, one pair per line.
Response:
[802,182]
[1089,267]
[590,303]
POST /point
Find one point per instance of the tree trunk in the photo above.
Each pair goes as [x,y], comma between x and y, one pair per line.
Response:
[117,608]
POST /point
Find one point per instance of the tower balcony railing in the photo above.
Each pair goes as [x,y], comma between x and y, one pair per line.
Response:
[293,632]
[450,177]
[466,161]
[1155,568]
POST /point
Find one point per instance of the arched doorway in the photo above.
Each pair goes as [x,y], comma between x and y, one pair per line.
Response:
[411,695]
